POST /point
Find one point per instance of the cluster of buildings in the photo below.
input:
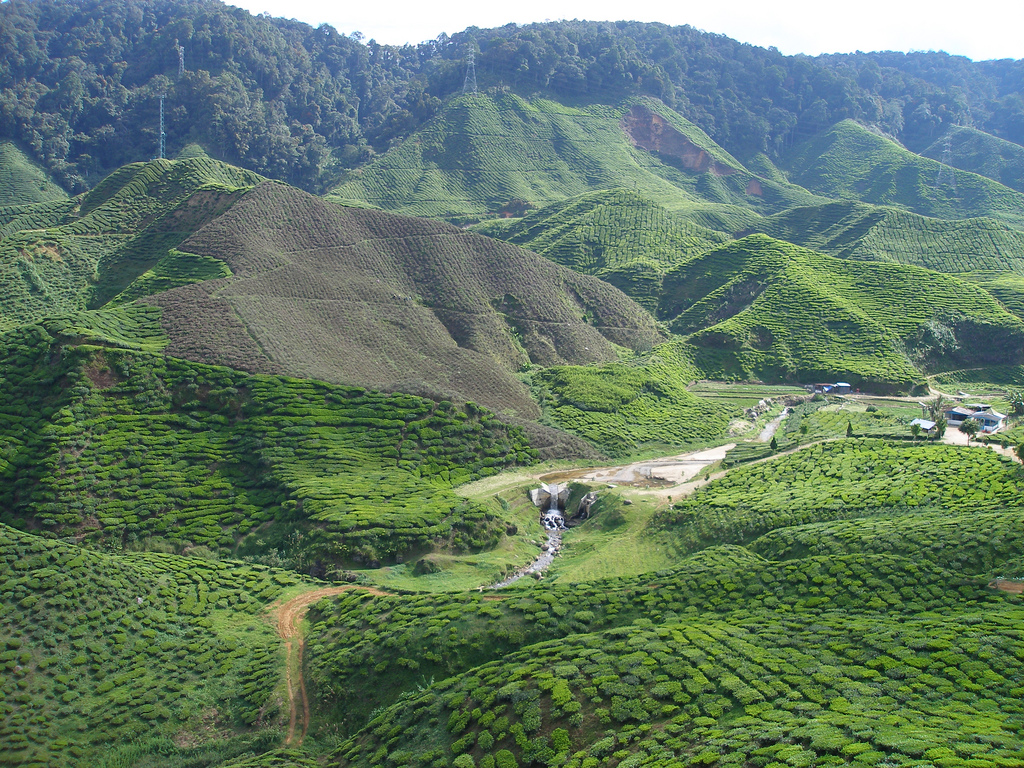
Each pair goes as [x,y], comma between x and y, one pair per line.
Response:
[989,420]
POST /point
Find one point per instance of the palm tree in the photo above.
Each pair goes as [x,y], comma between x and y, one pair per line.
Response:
[937,407]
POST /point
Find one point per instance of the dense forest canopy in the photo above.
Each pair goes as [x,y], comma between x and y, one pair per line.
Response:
[80,83]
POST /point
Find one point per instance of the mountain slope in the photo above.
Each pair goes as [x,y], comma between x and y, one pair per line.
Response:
[22,181]
[850,162]
[852,230]
[978,152]
[618,236]
[63,257]
[179,454]
[367,297]
[487,151]
[761,307]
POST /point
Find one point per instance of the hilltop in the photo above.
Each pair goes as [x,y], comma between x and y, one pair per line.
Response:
[853,230]
[978,152]
[371,298]
[486,153]
[304,104]
[617,235]
[850,162]
[762,307]
[65,256]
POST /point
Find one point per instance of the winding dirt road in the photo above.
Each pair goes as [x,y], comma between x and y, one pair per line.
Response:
[289,618]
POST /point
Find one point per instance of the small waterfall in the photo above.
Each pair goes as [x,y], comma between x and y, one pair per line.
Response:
[552,519]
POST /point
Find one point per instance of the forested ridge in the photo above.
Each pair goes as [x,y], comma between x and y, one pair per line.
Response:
[80,81]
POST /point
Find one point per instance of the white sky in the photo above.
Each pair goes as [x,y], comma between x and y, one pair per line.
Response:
[978,29]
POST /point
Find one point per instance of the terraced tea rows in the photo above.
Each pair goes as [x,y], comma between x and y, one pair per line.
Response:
[791,688]
[22,182]
[629,407]
[488,152]
[195,454]
[437,636]
[851,230]
[760,307]
[863,478]
[88,254]
[617,236]
[99,650]
[851,163]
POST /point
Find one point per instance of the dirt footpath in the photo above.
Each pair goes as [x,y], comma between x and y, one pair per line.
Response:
[289,618]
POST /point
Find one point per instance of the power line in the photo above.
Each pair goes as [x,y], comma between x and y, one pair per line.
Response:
[469,85]
[181,58]
[163,136]
[946,176]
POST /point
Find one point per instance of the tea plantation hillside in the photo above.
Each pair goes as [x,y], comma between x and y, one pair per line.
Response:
[371,298]
[632,406]
[122,448]
[759,307]
[883,646]
[852,230]
[65,256]
[850,162]
[616,235]
[788,686]
[978,152]
[108,659]
[486,154]
[22,182]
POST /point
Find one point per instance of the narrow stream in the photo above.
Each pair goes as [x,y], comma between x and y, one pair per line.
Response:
[554,523]
[540,564]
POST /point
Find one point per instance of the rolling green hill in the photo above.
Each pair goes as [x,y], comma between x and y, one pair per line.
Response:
[978,152]
[66,256]
[111,657]
[616,235]
[181,454]
[759,307]
[850,688]
[22,182]
[853,230]
[850,162]
[486,153]
[371,298]
[637,405]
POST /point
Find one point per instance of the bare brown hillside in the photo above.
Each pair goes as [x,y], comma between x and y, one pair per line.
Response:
[387,301]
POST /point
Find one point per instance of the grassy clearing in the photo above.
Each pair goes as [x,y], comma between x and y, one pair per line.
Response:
[615,542]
